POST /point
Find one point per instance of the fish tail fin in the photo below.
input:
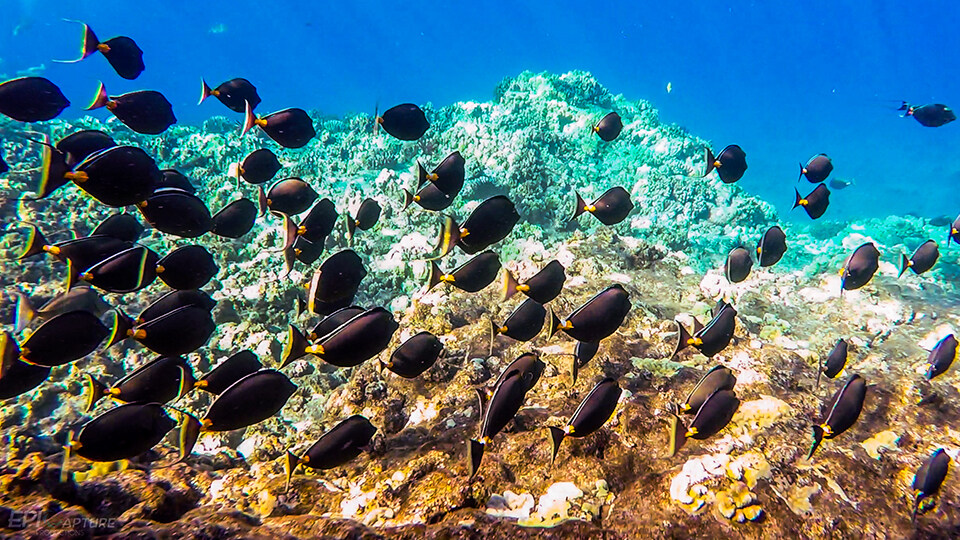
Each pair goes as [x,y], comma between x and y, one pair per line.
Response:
[122,323]
[509,285]
[65,465]
[301,305]
[677,434]
[262,200]
[289,466]
[73,275]
[100,100]
[904,106]
[554,324]
[186,381]
[448,238]
[904,264]
[435,275]
[474,456]
[296,346]
[801,171]
[142,269]
[376,118]
[24,312]
[556,437]
[35,243]
[797,199]
[916,507]
[817,438]
[407,198]
[351,225]
[190,428]
[249,119]
[574,370]
[493,336]
[290,228]
[96,391]
[205,91]
[580,208]
[421,175]
[710,159]
[819,372]
[683,339]
[89,45]
[482,400]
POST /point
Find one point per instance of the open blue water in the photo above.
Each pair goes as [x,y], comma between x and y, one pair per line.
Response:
[783,80]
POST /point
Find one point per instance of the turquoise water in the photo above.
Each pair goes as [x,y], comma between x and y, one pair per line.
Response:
[784,82]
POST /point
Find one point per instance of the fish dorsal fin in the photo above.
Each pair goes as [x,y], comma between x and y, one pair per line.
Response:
[697,326]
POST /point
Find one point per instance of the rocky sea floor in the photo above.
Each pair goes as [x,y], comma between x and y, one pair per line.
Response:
[532,142]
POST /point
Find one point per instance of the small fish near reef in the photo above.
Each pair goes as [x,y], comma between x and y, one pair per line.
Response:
[931,115]
[730,164]
[122,52]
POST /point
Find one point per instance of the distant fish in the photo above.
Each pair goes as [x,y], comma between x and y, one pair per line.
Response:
[406,122]
[714,415]
[31,99]
[738,264]
[260,166]
[922,259]
[122,52]
[941,221]
[712,338]
[815,203]
[941,357]
[415,355]
[235,219]
[841,412]
[592,413]
[817,169]
[472,276]
[610,208]
[835,361]
[838,184]
[928,479]
[954,231]
[234,93]
[145,111]
[718,378]
[336,447]
[932,115]
[173,178]
[583,353]
[16,376]
[218,28]
[669,87]
[367,216]
[3,165]
[290,196]
[290,128]
[771,247]
[543,286]
[859,267]
[730,164]
[609,127]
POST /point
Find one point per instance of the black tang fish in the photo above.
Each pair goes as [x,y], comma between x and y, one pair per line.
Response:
[16,376]
[290,128]
[931,115]
[124,55]
[594,411]
[289,196]
[738,264]
[77,146]
[922,259]
[448,176]
[490,222]
[405,122]
[144,111]
[127,271]
[543,287]
[429,197]
[235,94]
[119,433]
[64,338]
[815,203]
[499,406]
[248,401]
[334,448]
[942,356]
[260,166]
[319,222]
[176,212]
[187,267]
[172,178]
[77,298]
[718,378]
[231,370]
[352,343]
[597,318]
[712,416]
[609,127]
[159,381]
[835,361]
[610,208]
[772,246]
[122,226]
[841,413]
[859,267]
[367,216]
[175,300]
[583,353]
[817,169]
[415,355]
[838,184]
[523,323]
[730,164]
[117,176]
[235,219]
[471,276]
[177,332]
[712,338]
[929,478]
[31,99]
[337,278]
[333,321]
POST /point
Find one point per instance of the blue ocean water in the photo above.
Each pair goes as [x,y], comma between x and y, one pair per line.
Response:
[783,80]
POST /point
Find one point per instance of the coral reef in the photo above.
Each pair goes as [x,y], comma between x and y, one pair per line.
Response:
[534,143]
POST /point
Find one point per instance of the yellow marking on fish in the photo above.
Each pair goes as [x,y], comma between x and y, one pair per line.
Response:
[305,459]
[78,176]
[691,432]
[111,105]
[842,270]
[160,269]
[685,407]
[758,250]
[568,430]
[484,440]
[803,202]
[214,92]
[433,177]
[523,288]
[87,276]
[567,325]
[464,233]
[590,208]
[315,349]
[114,392]
[416,198]
[717,164]
[827,430]
[696,342]
[103,47]
[142,204]
[262,122]
[301,230]
[139,333]
[53,250]
[503,330]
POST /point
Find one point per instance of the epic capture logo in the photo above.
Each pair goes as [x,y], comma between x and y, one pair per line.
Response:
[68,523]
